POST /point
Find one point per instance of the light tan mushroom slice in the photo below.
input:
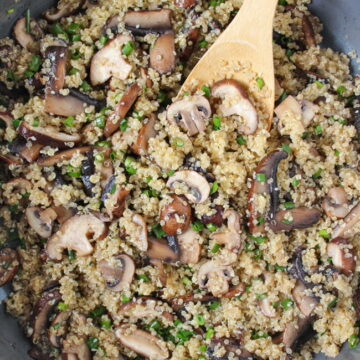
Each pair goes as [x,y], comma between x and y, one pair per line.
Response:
[197,185]
[141,233]
[61,156]
[305,303]
[109,62]
[191,113]
[75,234]
[163,54]
[335,203]
[266,308]
[343,255]
[215,277]
[41,220]
[25,39]
[161,269]
[142,342]
[349,225]
[140,146]
[308,111]
[235,101]
[160,250]
[64,105]
[47,136]
[63,213]
[189,247]
[118,272]
[231,238]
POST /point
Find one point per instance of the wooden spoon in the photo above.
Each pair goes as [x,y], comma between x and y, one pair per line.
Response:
[246,42]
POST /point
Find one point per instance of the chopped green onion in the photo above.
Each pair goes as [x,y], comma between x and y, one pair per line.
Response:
[103,143]
[214,187]
[286,304]
[318,130]
[261,177]
[92,343]
[206,90]
[209,333]
[282,2]
[329,260]
[259,335]
[216,122]
[287,221]
[289,205]
[16,122]
[197,225]
[97,312]
[279,268]
[100,121]
[128,48]
[283,96]
[332,303]
[211,227]
[186,281]
[36,122]
[286,148]
[130,169]
[340,90]
[99,157]
[57,29]
[75,54]
[202,348]
[105,323]
[261,296]
[186,93]
[158,231]
[289,52]
[69,121]
[143,277]
[10,11]
[353,341]
[73,28]
[241,140]
[259,239]
[123,125]
[71,255]
[214,305]
[317,174]
[215,248]
[260,220]
[74,172]
[75,38]
[27,21]
[260,82]
[295,182]
[103,39]
[73,71]
[56,326]
[336,152]
[203,44]
[62,306]
[113,155]
[113,189]
[324,233]
[28,74]
[319,84]
[125,298]
[85,86]
[35,63]
[179,142]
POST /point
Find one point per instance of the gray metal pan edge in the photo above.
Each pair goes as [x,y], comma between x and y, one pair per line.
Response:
[341,19]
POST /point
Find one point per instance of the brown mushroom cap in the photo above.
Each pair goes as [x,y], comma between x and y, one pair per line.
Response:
[345,229]
[236,102]
[109,62]
[163,54]
[47,136]
[176,216]
[41,312]
[343,255]
[140,146]
[160,250]
[198,187]
[298,218]
[191,113]
[215,276]
[148,21]
[41,220]
[189,245]
[9,265]
[142,342]
[118,272]
[335,203]
[58,59]
[74,234]
[305,303]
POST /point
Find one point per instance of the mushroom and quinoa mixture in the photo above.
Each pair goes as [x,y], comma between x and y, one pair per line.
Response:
[139,223]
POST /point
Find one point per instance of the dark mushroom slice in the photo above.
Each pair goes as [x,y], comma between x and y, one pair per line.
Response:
[343,255]
[9,265]
[118,272]
[160,250]
[7,118]
[25,39]
[356,301]
[142,342]
[163,54]
[27,150]
[41,312]
[176,215]
[98,104]
[47,136]
[297,269]
[63,105]
[58,58]
[298,218]
[37,354]
[189,247]
[265,183]
[87,170]
[335,203]
[148,21]
[191,40]
[75,234]
[216,218]
[198,187]
[234,93]
[114,198]
[41,220]
[62,155]
[345,229]
[308,30]
[109,61]
[141,144]
[57,330]
[10,159]
[305,303]
[122,108]
[191,113]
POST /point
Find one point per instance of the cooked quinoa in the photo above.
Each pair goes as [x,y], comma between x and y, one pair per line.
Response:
[137,223]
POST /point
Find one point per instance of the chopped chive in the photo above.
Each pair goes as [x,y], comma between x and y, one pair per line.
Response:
[287,221]
[260,82]
[353,341]
[92,343]
[214,187]
[295,182]
[319,84]
[279,268]
[73,28]
[304,135]
[286,148]
[200,320]
[203,44]
[75,38]
[283,96]
[113,155]
[99,157]
[202,348]
[286,304]
[103,143]
[103,39]
[282,2]
[100,121]
[216,122]
[10,11]
[73,71]
[105,323]
[143,277]
[206,90]
[209,333]
[340,90]
[62,306]
[69,121]
[75,54]
[337,152]
[35,63]
[186,93]
[85,86]
[261,296]
[16,122]
[241,140]
[317,174]
[123,125]
[211,227]
[36,122]
[125,298]
[74,172]
[318,130]
[324,233]
[56,326]
[215,248]
[261,177]
[332,303]
[113,189]
[71,255]
[27,21]
[214,305]
[289,205]
[197,225]
[179,142]
[128,48]
[158,231]
[260,220]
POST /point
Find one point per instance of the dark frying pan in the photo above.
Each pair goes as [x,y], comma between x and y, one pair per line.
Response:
[342,32]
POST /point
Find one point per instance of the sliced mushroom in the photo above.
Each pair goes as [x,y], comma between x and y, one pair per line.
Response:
[191,41]
[79,351]
[41,312]
[122,108]
[197,185]
[266,308]
[236,102]
[216,218]
[63,213]
[58,59]
[345,229]
[118,272]
[297,269]
[335,203]
[63,105]
[31,153]
[191,113]
[41,220]
[37,354]
[148,21]
[231,238]
[308,111]
[62,156]
[87,171]
[163,54]
[161,269]
[268,169]
[160,250]
[298,218]
[215,276]
[7,118]
[142,232]
[86,99]
[179,302]
[63,9]
[142,342]
[176,216]
[20,185]
[109,62]
[305,303]
[140,146]
[57,330]
[9,265]
[146,78]
[308,30]
[343,255]
[25,39]
[189,247]
[10,159]
[114,198]
[112,23]
[47,136]
[75,234]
